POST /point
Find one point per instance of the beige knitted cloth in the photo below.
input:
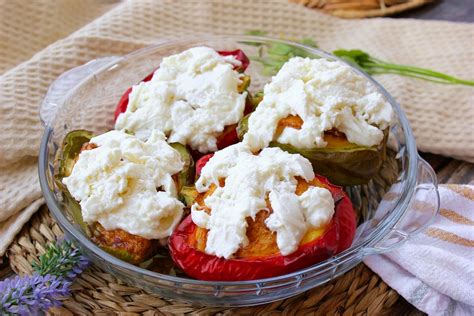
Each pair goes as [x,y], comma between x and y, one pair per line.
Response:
[441,115]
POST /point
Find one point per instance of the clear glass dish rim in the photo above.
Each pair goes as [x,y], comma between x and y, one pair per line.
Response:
[384,227]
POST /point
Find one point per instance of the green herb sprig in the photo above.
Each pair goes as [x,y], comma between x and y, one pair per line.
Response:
[277,54]
[61,259]
[375,66]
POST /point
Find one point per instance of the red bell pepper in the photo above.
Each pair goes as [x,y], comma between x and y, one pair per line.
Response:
[123,102]
[238,54]
[227,137]
[201,163]
[336,237]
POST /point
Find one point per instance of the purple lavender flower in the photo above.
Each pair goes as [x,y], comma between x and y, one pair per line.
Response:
[53,275]
[80,265]
[29,295]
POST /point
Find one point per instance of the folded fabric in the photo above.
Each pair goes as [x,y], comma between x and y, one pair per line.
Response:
[434,270]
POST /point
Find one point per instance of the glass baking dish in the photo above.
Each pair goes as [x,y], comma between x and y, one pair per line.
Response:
[398,203]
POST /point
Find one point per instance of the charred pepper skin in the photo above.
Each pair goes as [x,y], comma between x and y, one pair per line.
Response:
[337,237]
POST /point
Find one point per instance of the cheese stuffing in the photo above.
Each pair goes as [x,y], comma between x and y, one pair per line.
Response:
[325,95]
[249,180]
[191,97]
[127,184]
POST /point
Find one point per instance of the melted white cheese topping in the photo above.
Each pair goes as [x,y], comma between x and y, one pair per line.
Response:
[325,95]
[191,97]
[116,184]
[249,180]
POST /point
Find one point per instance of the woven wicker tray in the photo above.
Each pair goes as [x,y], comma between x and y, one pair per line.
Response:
[357,292]
[353,9]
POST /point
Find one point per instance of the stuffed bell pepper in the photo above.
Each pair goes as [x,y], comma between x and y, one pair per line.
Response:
[127,189]
[260,215]
[326,112]
[195,98]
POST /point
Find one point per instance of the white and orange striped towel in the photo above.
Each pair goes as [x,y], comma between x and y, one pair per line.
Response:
[434,270]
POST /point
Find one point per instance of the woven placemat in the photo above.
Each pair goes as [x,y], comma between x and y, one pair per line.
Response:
[357,292]
[356,9]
